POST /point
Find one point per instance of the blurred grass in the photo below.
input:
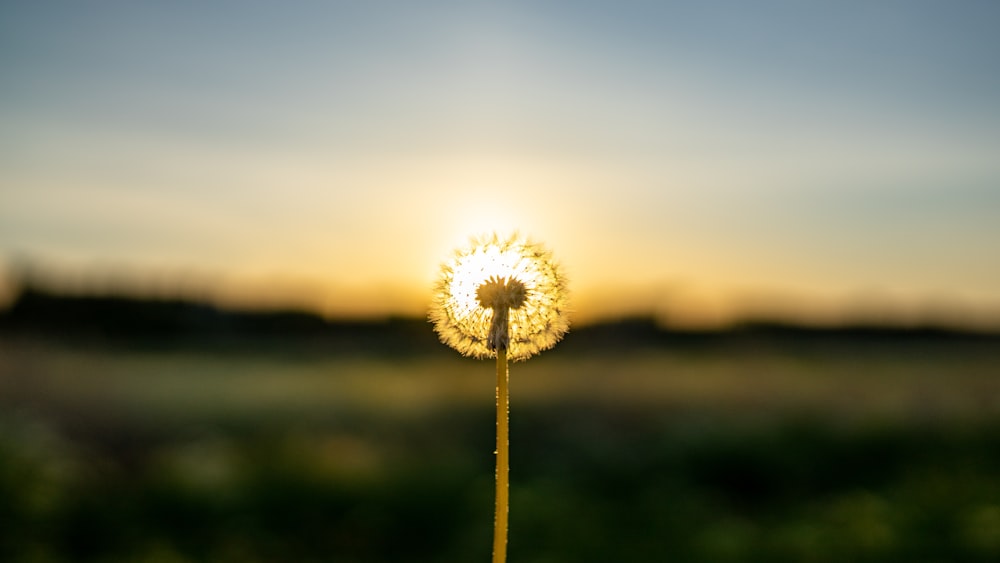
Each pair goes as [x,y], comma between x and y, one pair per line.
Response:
[753,454]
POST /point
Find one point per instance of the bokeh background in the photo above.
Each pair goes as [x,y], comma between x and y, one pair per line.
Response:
[220,224]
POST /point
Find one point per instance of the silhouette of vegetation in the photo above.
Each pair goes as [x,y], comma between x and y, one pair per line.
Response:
[172,323]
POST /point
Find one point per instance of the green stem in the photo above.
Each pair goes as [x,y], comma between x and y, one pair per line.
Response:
[503,458]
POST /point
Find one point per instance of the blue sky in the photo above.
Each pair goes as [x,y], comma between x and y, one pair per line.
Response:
[697,159]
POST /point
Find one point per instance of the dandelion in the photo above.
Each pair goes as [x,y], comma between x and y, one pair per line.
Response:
[498,279]
[502,298]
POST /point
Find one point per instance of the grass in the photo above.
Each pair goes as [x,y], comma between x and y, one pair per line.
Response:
[720,455]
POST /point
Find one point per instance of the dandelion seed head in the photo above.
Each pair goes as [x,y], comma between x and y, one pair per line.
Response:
[496,275]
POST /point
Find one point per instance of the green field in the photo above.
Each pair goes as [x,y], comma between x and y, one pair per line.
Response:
[853,452]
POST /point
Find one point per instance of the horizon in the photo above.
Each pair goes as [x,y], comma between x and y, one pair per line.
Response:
[205,290]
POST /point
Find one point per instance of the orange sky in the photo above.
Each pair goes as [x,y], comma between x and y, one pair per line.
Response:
[699,163]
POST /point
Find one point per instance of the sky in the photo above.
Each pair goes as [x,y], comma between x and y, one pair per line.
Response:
[700,161]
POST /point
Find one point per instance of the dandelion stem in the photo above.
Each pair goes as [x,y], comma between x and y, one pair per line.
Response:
[503,456]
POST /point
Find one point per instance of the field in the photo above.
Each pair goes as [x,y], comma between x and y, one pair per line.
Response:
[790,451]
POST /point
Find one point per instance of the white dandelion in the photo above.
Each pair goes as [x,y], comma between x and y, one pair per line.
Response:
[500,297]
